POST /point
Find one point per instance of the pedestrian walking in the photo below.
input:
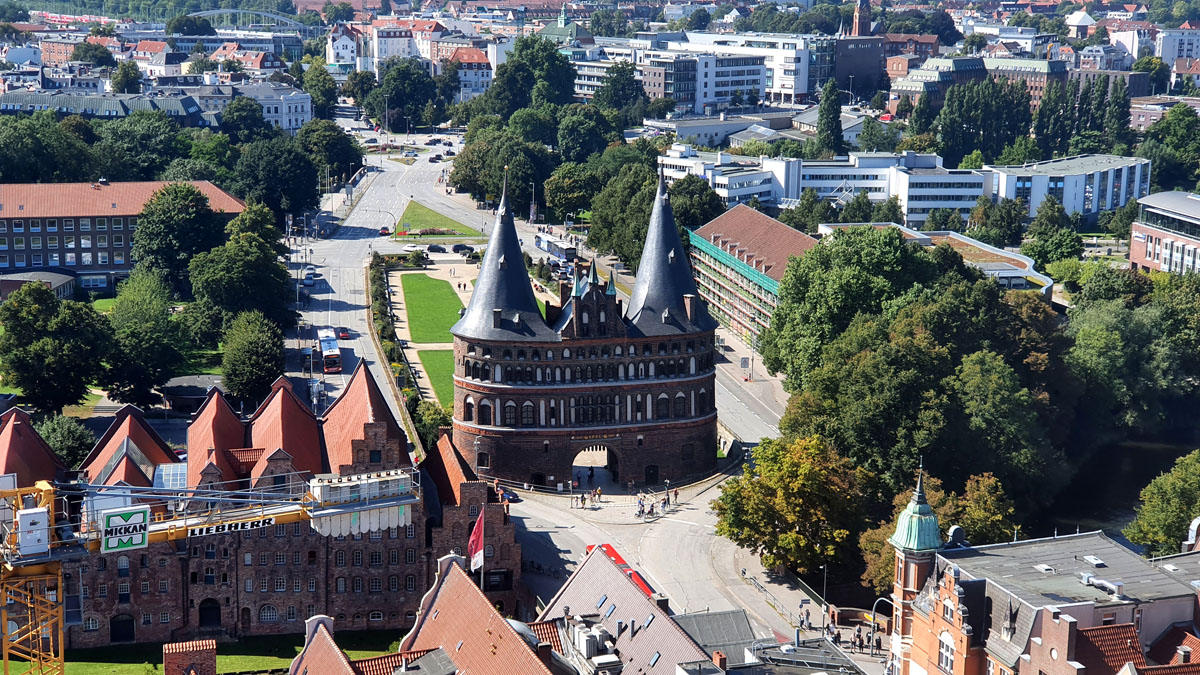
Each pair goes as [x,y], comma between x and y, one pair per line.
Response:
[808,618]
[599,494]
[676,496]
[878,646]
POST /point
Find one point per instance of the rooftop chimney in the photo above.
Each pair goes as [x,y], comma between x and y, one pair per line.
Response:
[720,660]
[543,652]
[661,599]
[1183,654]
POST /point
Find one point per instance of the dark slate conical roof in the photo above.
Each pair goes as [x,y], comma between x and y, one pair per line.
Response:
[664,277]
[503,284]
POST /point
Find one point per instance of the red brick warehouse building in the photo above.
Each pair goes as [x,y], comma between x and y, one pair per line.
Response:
[637,383]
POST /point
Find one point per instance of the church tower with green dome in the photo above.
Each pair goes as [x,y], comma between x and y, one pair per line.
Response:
[917,540]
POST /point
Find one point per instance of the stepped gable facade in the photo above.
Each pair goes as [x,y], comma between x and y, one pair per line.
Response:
[270,579]
[531,392]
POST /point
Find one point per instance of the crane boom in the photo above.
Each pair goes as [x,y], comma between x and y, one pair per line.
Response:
[43,526]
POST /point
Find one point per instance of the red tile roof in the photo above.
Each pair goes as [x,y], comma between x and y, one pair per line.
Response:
[448,470]
[469,55]
[23,452]
[1104,650]
[463,622]
[283,421]
[72,200]
[345,421]
[1164,648]
[547,631]
[214,429]
[756,237]
[1187,66]
[152,47]
[129,424]
[1192,668]
[1191,642]
[128,472]
[321,655]
[386,664]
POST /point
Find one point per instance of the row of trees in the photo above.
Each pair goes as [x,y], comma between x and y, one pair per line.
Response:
[924,358]
[247,156]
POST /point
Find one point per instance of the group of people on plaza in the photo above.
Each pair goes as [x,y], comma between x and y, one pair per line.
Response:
[858,642]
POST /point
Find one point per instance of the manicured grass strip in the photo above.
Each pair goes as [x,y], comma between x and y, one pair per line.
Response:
[439,368]
[432,307]
[104,305]
[201,362]
[255,653]
[417,216]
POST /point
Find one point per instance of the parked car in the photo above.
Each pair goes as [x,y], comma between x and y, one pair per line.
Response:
[409,248]
[436,248]
[467,251]
[383,232]
[310,271]
[511,496]
[371,140]
[310,281]
[457,248]
[447,144]
[343,333]
[436,158]
[449,153]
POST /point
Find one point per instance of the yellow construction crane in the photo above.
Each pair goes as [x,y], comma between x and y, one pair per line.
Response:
[42,527]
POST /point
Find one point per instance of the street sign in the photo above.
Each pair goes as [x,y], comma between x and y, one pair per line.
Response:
[745,361]
[124,529]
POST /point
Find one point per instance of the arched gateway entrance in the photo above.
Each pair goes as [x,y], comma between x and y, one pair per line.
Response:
[596,466]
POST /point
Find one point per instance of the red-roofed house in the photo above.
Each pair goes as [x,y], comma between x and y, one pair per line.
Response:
[253,62]
[359,429]
[85,227]
[23,452]
[474,72]
[924,46]
[738,260]
[129,440]
[145,50]
[1185,70]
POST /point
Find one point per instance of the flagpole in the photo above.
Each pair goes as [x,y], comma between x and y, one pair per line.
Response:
[482,539]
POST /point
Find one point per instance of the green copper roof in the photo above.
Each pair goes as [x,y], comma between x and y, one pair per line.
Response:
[917,528]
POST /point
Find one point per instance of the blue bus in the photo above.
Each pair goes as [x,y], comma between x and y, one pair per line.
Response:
[554,246]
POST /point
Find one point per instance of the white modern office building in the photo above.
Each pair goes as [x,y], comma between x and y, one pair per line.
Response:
[918,180]
[1085,184]
[1178,43]
[796,65]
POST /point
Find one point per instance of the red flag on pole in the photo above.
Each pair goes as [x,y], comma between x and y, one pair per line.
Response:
[475,543]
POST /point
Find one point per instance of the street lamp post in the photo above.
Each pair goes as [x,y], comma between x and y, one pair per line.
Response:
[851,90]
[824,602]
[875,620]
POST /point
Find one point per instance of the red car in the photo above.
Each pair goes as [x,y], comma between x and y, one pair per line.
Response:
[343,333]
[383,232]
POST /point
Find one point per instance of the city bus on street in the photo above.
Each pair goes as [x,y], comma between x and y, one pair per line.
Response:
[331,354]
[554,246]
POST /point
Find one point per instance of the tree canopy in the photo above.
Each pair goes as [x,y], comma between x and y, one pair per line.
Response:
[253,357]
[176,224]
[1168,505]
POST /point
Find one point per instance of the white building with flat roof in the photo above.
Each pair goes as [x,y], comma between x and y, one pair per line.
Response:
[788,58]
[1177,43]
[1085,184]
[918,180]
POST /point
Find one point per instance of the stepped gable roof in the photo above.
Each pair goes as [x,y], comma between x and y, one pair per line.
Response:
[129,426]
[23,452]
[360,404]
[503,285]
[283,421]
[128,472]
[458,617]
[663,277]
[1106,649]
[448,470]
[214,429]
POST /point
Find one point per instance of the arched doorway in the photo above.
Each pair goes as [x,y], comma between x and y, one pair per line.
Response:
[596,466]
[651,474]
[210,613]
[120,628]
[245,621]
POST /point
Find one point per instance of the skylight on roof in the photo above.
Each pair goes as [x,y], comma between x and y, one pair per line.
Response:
[611,608]
[648,620]
[654,659]
[600,602]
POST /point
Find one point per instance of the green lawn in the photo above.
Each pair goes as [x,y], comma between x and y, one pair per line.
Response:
[432,307]
[417,216]
[104,305]
[84,409]
[257,653]
[439,368]
[200,362]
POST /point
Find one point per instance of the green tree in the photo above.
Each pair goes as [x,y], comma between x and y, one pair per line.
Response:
[146,352]
[67,437]
[430,416]
[319,85]
[138,146]
[570,188]
[447,82]
[550,69]
[922,118]
[878,137]
[1160,73]
[888,211]
[175,225]
[53,349]
[858,210]
[972,161]
[244,275]
[358,85]
[258,220]
[904,108]
[798,505]
[659,108]
[402,94]
[620,213]
[1117,116]
[278,173]
[534,125]
[202,65]
[699,19]
[1168,505]
[974,42]
[620,88]
[810,212]
[999,224]
[693,202]
[1022,150]
[942,219]
[582,132]
[330,148]
[829,120]
[1052,246]
[339,13]
[190,25]
[243,120]
[97,55]
[253,358]
[879,101]
[608,23]
[127,79]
